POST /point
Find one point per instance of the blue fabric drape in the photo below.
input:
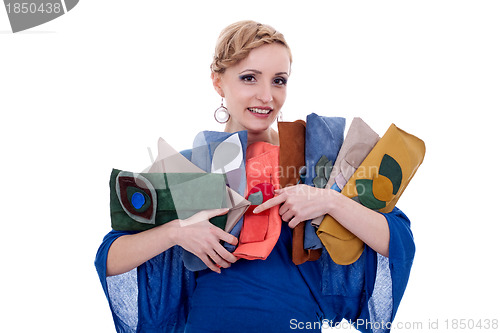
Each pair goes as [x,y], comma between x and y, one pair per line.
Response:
[157,296]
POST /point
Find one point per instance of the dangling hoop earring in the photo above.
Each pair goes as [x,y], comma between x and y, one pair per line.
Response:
[221,114]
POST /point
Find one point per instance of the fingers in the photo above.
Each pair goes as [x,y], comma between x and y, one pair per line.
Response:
[220,211]
[288,216]
[269,203]
[210,263]
[225,258]
[204,215]
[209,213]
[220,250]
[203,239]
[281,195]
[217,258]
[283,209]
[226,237]
[293,223]
[214,256]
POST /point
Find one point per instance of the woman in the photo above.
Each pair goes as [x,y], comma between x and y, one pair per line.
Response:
[250,71]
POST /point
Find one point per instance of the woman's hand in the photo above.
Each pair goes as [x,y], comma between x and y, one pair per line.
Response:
[198,236]
[299,203]
[195,234]
[303,202]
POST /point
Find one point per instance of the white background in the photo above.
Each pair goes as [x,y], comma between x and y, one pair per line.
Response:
[94,88]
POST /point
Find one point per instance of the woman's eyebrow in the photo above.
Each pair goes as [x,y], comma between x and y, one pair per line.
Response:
[251,70]
[259,72]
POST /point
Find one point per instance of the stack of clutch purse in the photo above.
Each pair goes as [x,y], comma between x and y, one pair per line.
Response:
[222,172]
[372,171]
[174,187]
[312,147]
[377,183]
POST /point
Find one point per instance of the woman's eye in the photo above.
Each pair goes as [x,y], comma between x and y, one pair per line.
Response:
[247,78]
[280,81]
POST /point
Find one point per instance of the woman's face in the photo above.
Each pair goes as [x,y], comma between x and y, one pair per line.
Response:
[255,88]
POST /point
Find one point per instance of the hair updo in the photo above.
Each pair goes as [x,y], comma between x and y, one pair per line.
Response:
[238,39]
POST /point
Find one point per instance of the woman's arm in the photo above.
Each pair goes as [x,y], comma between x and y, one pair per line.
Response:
[195,234]
[303,202]
[368,225]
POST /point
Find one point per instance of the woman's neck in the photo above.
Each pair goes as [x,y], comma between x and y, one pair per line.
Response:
[269,135]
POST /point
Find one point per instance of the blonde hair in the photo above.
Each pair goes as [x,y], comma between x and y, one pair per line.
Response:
[238,39]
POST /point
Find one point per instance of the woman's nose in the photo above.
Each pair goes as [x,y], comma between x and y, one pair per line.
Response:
[265,94]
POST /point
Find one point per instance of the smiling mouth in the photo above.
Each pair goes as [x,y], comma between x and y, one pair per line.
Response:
[260,111]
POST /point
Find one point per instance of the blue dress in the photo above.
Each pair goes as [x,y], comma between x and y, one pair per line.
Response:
[163,296]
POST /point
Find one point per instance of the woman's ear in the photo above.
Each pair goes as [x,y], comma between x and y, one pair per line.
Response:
[216,81]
